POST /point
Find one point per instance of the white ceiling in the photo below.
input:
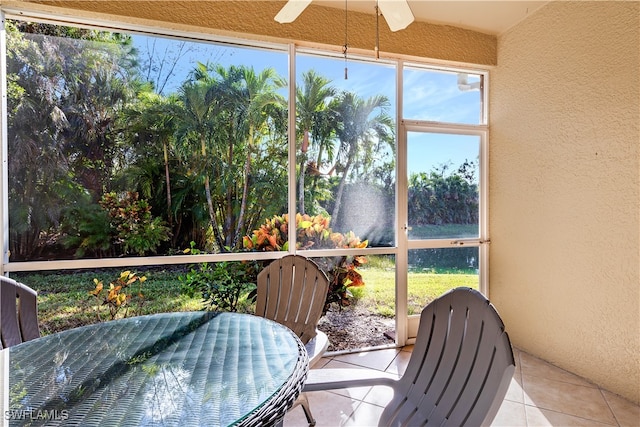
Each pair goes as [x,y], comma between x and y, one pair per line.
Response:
[490,17]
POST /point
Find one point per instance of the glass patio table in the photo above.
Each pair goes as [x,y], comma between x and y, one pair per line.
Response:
[170,369]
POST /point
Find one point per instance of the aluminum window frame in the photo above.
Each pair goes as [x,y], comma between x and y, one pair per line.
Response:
[399,249]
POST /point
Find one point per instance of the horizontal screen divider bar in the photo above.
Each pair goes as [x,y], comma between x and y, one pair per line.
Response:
[77,264]
[445,243]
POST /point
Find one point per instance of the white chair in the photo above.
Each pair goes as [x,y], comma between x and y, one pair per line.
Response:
[292,291]
[459,371]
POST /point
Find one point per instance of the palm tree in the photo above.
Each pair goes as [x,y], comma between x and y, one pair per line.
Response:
[311,104]
[150,122]
[200,102]
[257,92]
[360,135]
[226,111]
[37,159]
[325,126]
[73,94]
[98,82]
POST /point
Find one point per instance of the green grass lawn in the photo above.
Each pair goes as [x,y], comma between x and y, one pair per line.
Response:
[378,294]
[444,231]
[64,299]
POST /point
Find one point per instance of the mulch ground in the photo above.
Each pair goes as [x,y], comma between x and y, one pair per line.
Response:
[353,328]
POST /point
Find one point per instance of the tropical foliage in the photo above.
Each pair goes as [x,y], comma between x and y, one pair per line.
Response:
[440,197]
[132,224]
[116,298]
[106,159]
[313,232]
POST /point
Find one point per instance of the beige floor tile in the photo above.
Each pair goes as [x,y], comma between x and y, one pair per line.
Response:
[515,392]
[399,364]
[627,414]
[328,409]
[365,415]
[540,394]
[408,348]
[321,363]
[379,395]
[531,365]
[357,393]
[376,359]
[570,399]
[510,414]
[537,417]
[295,417]
[516,357]
[339,364]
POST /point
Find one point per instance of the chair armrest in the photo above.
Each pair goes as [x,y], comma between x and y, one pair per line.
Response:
[329,379]
[316,347]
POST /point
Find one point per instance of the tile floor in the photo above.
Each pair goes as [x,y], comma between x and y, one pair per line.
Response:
[540,395]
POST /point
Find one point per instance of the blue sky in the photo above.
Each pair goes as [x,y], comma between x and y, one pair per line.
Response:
[428,95]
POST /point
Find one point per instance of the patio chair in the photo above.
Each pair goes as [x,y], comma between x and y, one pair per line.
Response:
[458,373]
[18,313]
[292,291]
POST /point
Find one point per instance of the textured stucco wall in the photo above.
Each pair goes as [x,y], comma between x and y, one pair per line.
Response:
[565,189]
[317,24]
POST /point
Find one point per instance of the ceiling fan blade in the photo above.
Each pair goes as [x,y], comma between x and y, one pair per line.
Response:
[397,13]
[291,11]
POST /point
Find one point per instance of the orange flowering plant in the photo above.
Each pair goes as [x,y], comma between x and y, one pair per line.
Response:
[116,298]
[313,232]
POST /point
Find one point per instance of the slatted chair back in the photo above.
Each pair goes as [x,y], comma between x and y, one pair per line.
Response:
[292,291]
[18,313]
[460,368]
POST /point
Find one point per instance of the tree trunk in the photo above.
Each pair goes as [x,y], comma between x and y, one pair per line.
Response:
[343,180]
[245,191]
[304,148]
[168,183]
[319,166]
[303,164]
[207,190]
[217,239]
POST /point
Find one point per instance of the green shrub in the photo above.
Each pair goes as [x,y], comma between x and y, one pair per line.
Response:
[87,228]
[222,284]
[136,230]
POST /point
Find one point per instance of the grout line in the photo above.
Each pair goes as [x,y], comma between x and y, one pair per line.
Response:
[361,350]
[609,406]
[564,413]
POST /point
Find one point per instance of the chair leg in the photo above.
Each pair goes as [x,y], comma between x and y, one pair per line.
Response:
[304,402]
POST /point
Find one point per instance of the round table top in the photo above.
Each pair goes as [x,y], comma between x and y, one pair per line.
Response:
[190,368]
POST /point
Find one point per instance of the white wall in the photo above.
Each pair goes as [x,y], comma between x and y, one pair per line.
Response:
[565,189]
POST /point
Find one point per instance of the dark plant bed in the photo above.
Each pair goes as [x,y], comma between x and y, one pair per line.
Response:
[354,328]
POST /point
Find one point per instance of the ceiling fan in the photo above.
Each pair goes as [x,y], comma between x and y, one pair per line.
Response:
[396,12]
